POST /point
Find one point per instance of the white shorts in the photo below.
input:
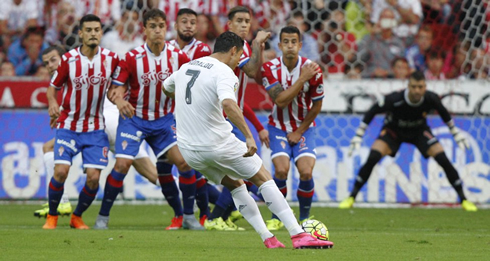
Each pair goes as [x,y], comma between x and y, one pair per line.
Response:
[111,117]
[227,160]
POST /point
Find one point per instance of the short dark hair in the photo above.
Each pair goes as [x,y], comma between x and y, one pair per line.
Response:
[39,30]
[290,30]
[226,41]
[237,9]
[186,11]
[56,47]
[417,75]
[152,14]
[398,59]
[434,53]
[90,18]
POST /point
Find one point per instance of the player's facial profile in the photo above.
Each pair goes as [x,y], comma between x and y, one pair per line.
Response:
[240,24]
[51,60]
[91,33]
[186,26]
[416,90]
[236,58]
[290,45]
[156,29]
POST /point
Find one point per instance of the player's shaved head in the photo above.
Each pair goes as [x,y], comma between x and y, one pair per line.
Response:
[152,14]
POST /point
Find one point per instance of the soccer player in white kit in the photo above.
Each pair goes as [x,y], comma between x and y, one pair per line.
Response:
[202,89]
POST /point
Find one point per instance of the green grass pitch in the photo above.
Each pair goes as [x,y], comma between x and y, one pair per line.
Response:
[137,233]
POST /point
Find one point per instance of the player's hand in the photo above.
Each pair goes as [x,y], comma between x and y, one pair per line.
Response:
[264,137]
[294,137]
[460,139]
[355,143]
[308,71]
[54,113]
[262,36]
[251,147]
[125,108]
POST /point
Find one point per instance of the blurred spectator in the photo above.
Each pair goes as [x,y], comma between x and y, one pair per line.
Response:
[42,74]
[435,11]
[479,64]
[171,8]
[65,32]
[400,68]
[454,66]
[353,71]
[15,16]
[337,47]
[205,30]
[435,62]
[25,52]
[125,35]
[357,13]
[310,46]
[408,14]
[109,11]
[272,15]
[416,53]
[7,69]
[378,51]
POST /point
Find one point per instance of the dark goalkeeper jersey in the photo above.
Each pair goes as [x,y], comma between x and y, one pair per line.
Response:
[401,114]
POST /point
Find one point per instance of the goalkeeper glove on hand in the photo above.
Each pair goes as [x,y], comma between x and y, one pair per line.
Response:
[355,143]
[459,138]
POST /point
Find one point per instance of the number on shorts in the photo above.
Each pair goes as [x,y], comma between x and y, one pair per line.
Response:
[194,74]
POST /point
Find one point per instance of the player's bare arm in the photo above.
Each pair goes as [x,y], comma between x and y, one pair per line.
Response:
[116,91]
[116,96]
[295,136]
[54,107]
[283,98]
[168,94]
[252,67]
[236,117]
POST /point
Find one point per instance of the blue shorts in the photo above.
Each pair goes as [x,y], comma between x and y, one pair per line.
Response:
[93,145]
[159,134]
[280,146]
[237,132]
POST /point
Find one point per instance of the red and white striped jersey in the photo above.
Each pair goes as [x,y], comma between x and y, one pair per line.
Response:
[194,50]
[85,84]
[242,77]
[275,72]
[145,72]
[172,7]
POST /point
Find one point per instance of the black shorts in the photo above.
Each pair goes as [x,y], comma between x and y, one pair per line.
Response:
[422,138]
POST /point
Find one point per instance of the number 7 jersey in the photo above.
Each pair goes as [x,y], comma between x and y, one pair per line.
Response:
[145,72]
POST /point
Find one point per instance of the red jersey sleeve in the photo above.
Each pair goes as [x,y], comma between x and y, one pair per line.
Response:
[268,80]
[122,71]
[61,75]
[183,58]
[201,51]
[316,86]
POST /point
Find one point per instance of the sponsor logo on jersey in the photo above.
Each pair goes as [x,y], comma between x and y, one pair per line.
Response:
[67,144]
[130,136]
[86,80]
[241,207]
[281,138]
[72,59]
[153,76]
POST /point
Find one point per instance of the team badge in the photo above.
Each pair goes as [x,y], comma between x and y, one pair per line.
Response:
[61,150]
[283,144]
[173,128]
[265,82]
[319,89]
[105,151]
[124,144]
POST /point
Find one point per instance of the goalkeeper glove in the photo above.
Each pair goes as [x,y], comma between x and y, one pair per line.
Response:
[355,143]
[459,138]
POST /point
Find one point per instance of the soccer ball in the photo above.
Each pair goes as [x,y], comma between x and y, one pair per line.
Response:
[316,228]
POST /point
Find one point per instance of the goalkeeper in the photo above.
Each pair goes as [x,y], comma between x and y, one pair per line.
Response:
[405,121]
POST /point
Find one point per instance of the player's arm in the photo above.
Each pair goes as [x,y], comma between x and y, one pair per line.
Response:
[295,136]
[252,67]
[236,117]
[168,86]
[283,98]
[446,117]
[53,106]
[263,133]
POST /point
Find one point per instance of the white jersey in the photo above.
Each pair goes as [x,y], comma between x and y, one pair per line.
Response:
[200,87]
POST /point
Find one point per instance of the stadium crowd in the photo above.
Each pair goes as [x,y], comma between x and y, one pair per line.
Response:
[447,39]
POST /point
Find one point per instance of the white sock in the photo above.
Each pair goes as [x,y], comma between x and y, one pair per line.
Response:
[250,211]
[48,158]
[278,205]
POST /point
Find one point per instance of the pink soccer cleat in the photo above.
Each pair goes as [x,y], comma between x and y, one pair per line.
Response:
[305,240]
[272,242]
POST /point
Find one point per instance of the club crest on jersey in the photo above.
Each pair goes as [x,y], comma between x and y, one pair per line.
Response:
[116,73]
[124,144]
[105,152]
[61,150]
[283,144]
[86,80]
[153,76]
[265,82]
[174,129]
[319,89]
[235,88]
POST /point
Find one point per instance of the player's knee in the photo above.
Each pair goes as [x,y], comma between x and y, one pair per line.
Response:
[61,173]
[93,180]
[306,175]
[122,165]
[281,172]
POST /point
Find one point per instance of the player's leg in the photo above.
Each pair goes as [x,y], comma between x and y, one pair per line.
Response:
[65,151]
[202,199]
[86,197]
[145,167]
[437,152]
[170,192]
[386,144]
